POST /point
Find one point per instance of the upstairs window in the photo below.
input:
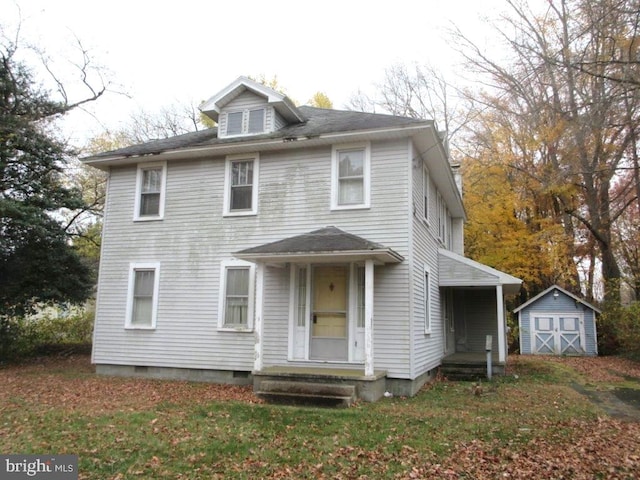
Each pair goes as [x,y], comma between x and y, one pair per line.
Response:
[150,188]
[425,192]
[241,185]
[350,177]
[246,122]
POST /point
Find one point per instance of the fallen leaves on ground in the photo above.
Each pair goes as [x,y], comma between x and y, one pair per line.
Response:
[81,390]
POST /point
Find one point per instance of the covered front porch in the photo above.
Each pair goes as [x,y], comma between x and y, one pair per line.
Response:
[330,353]
[474,309]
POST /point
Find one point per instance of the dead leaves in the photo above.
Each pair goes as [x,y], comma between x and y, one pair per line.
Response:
[80,390]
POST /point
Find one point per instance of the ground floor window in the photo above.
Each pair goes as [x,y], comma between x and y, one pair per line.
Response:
[143,295]
[236,295]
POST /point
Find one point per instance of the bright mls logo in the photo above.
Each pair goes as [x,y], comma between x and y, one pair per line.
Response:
[45,467]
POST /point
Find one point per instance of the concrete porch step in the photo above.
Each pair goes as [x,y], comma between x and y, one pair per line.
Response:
[291,391]
[463,372]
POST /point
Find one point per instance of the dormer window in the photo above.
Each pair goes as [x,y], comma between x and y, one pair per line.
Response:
[256,121]
[234,123]
[246,122]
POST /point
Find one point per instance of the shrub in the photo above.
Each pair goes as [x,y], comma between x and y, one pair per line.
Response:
[52,328]
[619,330]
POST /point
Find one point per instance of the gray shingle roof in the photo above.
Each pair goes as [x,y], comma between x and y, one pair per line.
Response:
[324,242]
[328,239]
[319,121]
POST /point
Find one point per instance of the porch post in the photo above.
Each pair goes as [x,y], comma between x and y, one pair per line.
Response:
[258,326]
[502,354]
[368,318]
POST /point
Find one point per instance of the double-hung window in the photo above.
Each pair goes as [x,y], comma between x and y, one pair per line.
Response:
[150,191]
[350,177]
[236,295]
[241,185]
[425,192]
[143,295]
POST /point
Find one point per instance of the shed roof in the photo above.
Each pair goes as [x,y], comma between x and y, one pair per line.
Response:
[556,287]
[325,244]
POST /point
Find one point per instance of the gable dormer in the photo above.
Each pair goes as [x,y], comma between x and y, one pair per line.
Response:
[246,107]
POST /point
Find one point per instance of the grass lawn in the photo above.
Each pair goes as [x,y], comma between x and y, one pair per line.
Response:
[530,424]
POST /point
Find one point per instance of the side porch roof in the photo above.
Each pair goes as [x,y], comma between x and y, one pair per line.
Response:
[458,271]
[324,245]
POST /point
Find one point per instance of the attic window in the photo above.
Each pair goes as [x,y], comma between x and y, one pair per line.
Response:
[246,122]
[234,123]
[256,121]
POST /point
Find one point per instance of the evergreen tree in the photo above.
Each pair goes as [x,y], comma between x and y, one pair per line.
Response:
[37,262]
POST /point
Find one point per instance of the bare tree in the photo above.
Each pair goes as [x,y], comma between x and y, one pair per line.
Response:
[418,91]
[576,126]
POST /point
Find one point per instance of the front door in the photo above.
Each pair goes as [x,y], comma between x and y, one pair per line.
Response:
[329,330]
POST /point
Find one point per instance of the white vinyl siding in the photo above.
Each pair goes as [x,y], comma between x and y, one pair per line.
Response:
[236,295]
[191,243]
[150,191]
[241,185]
[425,193]
[350,176]
[143,295]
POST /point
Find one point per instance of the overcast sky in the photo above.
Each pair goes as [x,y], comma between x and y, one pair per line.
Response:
[160,53]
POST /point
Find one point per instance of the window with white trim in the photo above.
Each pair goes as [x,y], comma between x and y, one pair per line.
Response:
[427,299]
[142,299]
[236,295]
[246,122]
[425,192]
[150,191]
[241,185]
[360,296]
[444,220]
[350,176]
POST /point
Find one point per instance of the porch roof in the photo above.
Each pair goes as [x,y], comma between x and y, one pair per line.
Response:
[327,244]
[459,271]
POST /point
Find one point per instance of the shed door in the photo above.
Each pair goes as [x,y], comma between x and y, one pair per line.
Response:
[557,334]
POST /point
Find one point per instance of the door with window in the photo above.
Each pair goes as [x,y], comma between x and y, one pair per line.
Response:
[329,325]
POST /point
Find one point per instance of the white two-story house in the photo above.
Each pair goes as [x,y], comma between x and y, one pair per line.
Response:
[308,243]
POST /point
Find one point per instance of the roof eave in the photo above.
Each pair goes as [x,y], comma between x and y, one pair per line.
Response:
[556,287]
[381,256]
[103,162]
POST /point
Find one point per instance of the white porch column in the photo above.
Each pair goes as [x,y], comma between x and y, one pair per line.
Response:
[258,324]
[368,318]
[502,341]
